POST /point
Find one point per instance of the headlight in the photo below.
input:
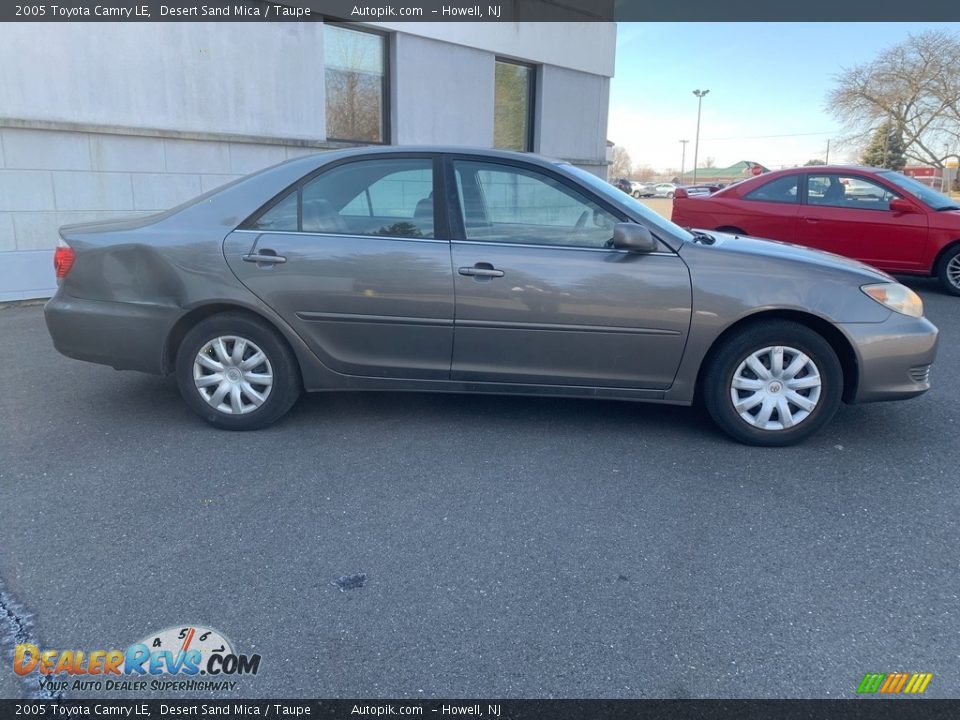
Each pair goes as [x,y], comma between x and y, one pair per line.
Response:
[896,297]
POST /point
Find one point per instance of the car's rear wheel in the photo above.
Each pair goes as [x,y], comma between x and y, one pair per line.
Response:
[948,271]
[237,372]
[670,194]
[773,383]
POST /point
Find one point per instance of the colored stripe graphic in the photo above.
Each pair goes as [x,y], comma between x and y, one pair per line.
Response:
[918,683]
[871,682]
[894,683]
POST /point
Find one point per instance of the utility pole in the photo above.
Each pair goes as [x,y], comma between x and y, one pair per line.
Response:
[886,142]
[696,142]
[683,159]
[827,159]
[943,168]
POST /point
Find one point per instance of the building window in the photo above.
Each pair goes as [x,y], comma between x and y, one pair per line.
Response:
[356,84]
[513,106]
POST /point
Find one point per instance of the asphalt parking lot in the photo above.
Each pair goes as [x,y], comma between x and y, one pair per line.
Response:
[513,547]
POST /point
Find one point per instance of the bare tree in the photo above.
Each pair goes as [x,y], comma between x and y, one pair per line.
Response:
[913,87]
[621,165]
[644,174]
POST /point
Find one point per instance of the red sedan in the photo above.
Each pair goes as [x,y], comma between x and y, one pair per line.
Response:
[880,217]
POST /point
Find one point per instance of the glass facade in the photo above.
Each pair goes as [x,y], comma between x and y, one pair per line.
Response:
[513,106]
[356,92]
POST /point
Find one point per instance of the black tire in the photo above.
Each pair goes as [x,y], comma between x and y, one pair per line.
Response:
[948,266]
[670,195]
[286,384]
[734,351]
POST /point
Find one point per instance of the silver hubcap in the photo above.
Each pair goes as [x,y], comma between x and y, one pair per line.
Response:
[232,375]
[953,271]
[776,388]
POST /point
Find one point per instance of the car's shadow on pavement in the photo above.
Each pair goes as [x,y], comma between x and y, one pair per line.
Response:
[143,396]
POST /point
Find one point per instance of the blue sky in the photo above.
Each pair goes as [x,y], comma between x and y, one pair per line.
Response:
[765,79]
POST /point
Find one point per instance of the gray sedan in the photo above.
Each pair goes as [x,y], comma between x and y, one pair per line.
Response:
[454,270]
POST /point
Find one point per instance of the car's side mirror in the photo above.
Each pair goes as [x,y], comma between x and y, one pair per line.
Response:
[633,237]
[899,205]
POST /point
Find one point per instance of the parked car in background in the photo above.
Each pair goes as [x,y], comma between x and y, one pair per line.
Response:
[624,185]
[666,190]
[644,189]
[691,190]
[877,216]
[370,268]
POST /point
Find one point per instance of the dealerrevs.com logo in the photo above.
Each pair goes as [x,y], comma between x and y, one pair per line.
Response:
[188,651]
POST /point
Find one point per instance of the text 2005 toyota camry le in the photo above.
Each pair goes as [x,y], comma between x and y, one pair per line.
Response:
[443,269]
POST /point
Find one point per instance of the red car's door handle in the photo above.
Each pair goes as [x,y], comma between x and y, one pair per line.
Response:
[812,221]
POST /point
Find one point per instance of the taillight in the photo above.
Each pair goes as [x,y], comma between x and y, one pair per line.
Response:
[63,258]
[680,193]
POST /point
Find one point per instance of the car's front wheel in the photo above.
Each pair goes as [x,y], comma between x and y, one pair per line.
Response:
[237,372]
[948,271]
[773,383]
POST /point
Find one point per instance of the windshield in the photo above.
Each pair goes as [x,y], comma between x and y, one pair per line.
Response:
[654,221]
[928,196]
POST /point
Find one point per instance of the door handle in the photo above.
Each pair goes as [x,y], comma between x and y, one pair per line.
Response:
[265,257]
[812,221]
[481,270]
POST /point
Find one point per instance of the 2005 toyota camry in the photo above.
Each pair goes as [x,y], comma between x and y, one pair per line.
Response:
[445,269]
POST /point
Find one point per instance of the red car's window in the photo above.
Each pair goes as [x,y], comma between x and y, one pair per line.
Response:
[848,191]
[781,190]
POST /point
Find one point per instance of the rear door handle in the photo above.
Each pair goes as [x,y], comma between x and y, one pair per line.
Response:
[485,270]
[265,257]
[812,221]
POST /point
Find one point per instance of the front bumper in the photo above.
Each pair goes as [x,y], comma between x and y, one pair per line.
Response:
[126,336]
[893,357]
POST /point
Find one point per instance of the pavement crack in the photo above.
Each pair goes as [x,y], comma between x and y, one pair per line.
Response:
[16,628]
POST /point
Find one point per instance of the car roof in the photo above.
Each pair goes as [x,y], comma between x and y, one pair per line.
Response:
[747,184]
[448,149]
[825,168]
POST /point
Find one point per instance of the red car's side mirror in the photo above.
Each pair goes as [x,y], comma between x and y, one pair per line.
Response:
[899,205]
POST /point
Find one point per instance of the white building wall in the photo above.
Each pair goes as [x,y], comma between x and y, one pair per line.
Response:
[50,178]
[259,79]
[584,46]
[444,93]
[573,107]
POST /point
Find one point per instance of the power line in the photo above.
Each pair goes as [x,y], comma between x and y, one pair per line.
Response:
[759,137]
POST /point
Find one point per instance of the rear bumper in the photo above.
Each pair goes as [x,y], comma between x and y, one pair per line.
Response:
[893,357]
[126,336]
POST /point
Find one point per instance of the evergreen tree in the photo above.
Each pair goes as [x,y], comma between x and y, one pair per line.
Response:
[886,149]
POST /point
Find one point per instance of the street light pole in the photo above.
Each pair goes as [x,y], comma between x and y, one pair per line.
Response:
[696,142]
[683,159]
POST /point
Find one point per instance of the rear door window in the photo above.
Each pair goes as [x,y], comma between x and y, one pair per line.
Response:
[781,190]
